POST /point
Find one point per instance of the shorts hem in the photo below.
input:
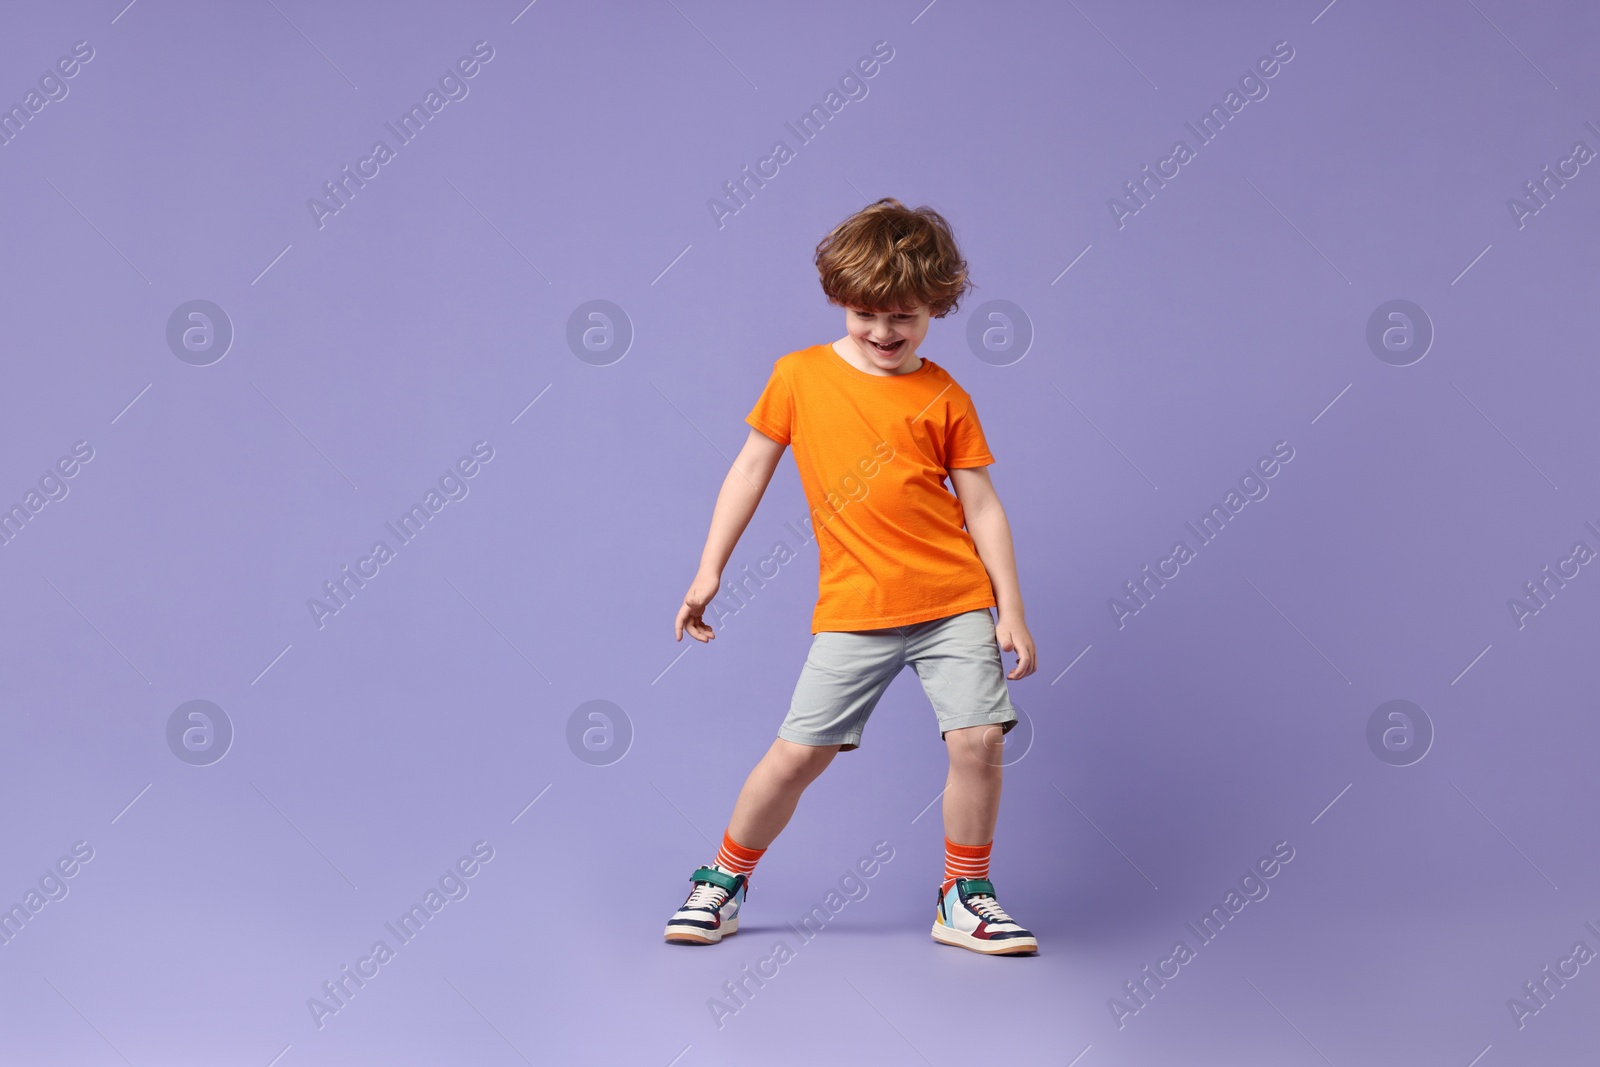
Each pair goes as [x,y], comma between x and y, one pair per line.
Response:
[961,722]
[802,737]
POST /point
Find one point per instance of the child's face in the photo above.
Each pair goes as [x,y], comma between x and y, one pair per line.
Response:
[902,331]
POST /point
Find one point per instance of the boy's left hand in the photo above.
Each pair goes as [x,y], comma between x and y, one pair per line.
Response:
[1013,636]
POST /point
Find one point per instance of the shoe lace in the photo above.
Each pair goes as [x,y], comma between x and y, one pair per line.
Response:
[989,908]
[707,895]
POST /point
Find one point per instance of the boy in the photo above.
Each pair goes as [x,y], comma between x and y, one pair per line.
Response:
[876,431]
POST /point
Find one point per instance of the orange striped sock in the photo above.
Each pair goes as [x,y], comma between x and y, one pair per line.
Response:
[966,861]
[735,858]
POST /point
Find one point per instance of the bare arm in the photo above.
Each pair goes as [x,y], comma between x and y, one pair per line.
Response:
[736,502]
[991,534]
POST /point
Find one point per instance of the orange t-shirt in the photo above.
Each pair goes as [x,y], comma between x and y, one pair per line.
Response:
[873,453]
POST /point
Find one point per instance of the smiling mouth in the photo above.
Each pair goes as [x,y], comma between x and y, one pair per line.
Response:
[888,349]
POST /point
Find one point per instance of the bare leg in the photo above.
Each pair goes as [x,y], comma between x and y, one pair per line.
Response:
[773,789]
[972,792]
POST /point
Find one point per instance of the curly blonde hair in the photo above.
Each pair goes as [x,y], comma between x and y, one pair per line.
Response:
[888,257]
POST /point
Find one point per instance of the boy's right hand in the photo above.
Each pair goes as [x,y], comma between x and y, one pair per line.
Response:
[701,591]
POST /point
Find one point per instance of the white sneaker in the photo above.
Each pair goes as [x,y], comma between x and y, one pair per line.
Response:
[712,910]
[969,917]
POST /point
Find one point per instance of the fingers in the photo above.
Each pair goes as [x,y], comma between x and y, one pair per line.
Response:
[689,618]
[1025,663]
[1003,639]
[700,594]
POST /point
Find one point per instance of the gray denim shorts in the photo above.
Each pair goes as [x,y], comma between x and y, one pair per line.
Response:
[957,658]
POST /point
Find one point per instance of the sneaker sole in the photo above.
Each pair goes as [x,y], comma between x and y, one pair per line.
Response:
[694,935]
[1011,946]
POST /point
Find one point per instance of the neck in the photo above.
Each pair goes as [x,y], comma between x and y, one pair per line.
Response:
[847,350]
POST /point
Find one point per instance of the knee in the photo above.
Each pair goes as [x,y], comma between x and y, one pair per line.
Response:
[977,751]
[802,763]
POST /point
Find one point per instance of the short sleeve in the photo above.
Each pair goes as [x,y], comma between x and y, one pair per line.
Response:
[773,414]
[965,444]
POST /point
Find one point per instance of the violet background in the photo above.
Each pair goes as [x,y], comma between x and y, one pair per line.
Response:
[369,354]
